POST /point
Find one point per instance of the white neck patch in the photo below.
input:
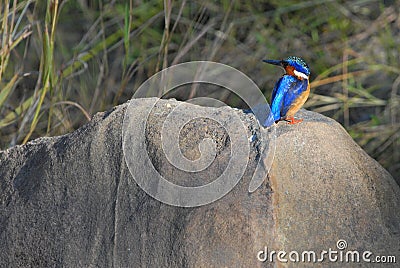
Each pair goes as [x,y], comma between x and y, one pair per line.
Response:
[300,74]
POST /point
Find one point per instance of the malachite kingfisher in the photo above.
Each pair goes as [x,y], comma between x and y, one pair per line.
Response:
[291,91]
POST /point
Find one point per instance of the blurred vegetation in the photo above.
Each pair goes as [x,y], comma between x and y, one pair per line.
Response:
[63,61]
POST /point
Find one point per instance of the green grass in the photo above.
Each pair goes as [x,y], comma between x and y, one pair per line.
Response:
[63,61]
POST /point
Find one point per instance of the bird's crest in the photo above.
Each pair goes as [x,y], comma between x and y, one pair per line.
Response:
[297,66]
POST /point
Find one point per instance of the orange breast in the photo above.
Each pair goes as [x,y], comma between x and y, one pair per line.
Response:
[298,102]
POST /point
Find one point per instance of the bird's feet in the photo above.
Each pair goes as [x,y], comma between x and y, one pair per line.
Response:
[292,120]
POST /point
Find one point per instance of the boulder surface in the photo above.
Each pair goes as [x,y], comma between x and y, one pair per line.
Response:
[72,201]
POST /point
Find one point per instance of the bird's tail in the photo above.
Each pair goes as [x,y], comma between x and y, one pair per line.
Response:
[263,114]
[270,120]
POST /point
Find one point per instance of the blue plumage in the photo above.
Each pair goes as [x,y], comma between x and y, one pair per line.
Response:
[285,92]
[290,92]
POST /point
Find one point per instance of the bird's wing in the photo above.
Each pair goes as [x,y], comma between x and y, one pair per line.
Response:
[281,89]
[275,89]
[293,92]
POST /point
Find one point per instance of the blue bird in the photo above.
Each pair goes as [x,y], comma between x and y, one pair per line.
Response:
[291,91]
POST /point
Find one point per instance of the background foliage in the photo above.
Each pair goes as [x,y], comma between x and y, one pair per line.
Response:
[63,61]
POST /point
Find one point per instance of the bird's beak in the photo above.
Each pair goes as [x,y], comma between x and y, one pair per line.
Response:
[274,62]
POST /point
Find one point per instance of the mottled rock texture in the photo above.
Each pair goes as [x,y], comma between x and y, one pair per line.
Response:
[70,201]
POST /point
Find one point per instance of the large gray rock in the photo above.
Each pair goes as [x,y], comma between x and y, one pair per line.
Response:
[71,200]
